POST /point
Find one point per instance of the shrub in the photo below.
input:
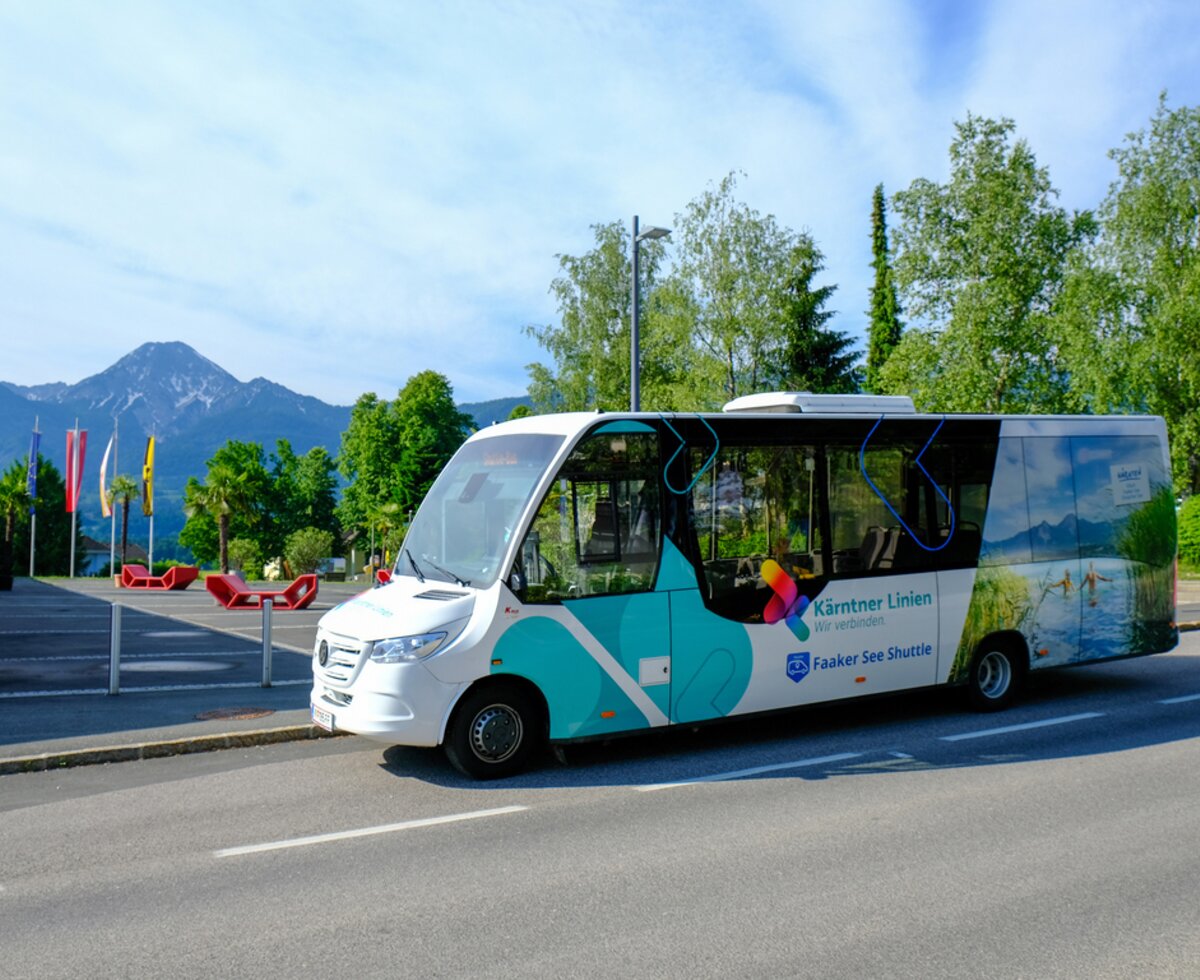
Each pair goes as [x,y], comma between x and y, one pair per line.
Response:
[1189,532]
[306,548]
[245,556]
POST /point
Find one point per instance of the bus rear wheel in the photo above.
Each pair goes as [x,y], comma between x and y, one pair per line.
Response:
[995,677]
[493,732]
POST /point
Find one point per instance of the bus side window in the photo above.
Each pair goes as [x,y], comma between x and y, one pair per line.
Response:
[754,504]
[598,529]
[869,536]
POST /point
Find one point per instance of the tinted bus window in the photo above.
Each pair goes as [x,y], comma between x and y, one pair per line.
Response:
[597,530]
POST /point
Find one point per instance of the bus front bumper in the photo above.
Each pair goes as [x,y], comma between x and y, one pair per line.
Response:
[381,705]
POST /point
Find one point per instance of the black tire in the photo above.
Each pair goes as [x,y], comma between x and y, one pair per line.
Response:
[493,732]
[995,678]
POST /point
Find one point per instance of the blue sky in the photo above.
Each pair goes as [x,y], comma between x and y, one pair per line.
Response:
[336,196]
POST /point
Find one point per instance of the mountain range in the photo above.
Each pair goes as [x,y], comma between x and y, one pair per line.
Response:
[190,404]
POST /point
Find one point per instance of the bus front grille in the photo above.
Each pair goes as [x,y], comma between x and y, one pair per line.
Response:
[342,658]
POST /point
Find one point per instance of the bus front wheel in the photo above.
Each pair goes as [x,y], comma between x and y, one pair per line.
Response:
[493,732]
[995,677]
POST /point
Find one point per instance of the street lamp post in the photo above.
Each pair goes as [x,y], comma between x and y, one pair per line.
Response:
[635,395]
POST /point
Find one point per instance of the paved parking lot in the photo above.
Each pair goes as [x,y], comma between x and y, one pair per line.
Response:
[57,636]
[187,665]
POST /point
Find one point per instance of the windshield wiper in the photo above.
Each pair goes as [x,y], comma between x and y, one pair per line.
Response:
[444,571]
[415,567]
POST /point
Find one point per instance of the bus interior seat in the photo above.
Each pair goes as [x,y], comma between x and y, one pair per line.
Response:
[872,547]
[602,541]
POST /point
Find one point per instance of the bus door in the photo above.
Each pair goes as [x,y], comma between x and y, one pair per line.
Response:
[589,564]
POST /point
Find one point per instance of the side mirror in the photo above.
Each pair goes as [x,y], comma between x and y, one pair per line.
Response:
[517,582]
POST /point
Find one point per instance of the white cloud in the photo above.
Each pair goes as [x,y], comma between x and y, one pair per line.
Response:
[337,197]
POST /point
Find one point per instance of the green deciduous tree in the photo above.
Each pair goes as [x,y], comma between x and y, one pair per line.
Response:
[53,537]
[981,260]
[392,451]
[303,493]
[732,264]
[1132,310]
[737,312]
[885,327]
[430,428]
[367,459]
[590,345]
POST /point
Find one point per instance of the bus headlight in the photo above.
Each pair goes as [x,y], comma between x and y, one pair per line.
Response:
[403,649]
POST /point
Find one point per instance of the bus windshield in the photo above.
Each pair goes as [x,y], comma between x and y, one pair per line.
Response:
[462,528]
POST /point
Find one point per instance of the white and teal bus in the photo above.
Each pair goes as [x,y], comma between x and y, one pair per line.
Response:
[577,576]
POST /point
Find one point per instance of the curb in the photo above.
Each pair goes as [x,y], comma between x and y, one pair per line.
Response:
[156,750]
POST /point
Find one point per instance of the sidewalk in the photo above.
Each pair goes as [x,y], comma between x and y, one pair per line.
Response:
[72,729]
[145,726]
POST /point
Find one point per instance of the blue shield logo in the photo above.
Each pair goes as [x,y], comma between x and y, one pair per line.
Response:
[798,666]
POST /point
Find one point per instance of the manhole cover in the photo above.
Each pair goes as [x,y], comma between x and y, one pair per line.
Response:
[234,714]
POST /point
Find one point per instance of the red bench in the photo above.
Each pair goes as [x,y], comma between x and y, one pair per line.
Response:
[175,577]
[232,593]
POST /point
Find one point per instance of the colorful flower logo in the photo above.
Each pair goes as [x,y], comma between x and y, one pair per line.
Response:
[786,604]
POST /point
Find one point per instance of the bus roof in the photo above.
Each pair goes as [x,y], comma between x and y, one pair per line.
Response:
[775,406]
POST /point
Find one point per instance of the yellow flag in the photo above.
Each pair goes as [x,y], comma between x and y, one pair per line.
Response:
[148,479]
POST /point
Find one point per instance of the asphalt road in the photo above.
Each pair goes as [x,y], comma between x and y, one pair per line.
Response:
[900,837]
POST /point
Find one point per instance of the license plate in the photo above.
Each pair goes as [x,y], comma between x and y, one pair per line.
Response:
[322,718]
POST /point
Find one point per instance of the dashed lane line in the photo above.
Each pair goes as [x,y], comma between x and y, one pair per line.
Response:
[1026,726]
[390,828]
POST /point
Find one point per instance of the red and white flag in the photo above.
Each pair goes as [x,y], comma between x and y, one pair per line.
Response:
[76,447]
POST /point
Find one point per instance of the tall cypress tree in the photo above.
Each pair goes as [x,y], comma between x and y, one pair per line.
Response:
[885,327]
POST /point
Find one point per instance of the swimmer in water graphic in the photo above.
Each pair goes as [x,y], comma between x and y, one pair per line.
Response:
[1065,583]
[1090,581]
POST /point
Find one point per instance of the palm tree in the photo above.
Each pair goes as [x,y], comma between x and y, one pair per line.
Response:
[224,495]
[385,518]
[123,489]
[14,496]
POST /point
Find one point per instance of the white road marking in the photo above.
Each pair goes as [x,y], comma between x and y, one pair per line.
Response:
[756,771]
[224,686]
[390,828]
[1045,723]
[1182,700]
[86,657]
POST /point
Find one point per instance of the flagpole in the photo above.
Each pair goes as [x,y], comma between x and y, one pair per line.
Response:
[151,496]
[74,467]
[31,485]
[112,511]
[148,494]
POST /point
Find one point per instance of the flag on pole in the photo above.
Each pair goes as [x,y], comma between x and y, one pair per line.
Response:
[76,447]
[105,509]
[31,472]
[148,479]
